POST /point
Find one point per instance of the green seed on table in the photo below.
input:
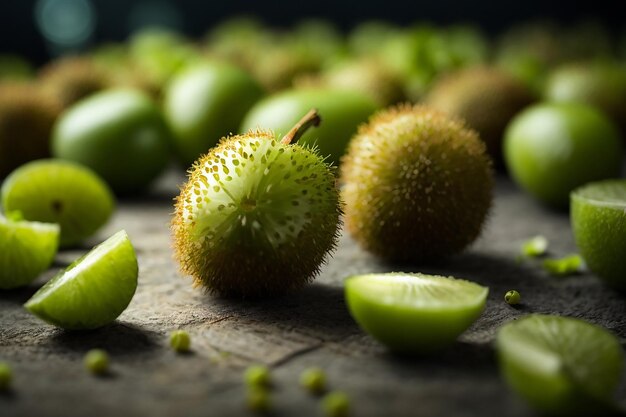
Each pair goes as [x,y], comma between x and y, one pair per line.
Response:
[258,400]
[313,380]
[6,375]
[257,376]
[180,341]
[97,361]
[336,404]
[512,297]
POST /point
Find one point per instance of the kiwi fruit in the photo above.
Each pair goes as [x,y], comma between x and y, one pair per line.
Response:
[417,185]
[73,78]
[258,215]
[27,117]
[599,84]
[485,97]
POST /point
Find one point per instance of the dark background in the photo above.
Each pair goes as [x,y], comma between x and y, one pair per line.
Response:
[19,33]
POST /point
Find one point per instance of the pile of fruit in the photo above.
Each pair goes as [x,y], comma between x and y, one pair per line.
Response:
[396,132]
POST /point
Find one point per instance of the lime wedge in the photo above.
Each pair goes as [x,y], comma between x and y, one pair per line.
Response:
[598,216]
[93,291]
[26,250]
[560,365]
[414,313]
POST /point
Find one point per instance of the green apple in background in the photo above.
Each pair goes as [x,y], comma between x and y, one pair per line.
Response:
[552,148]
[342,111]
[206,103]
[120,134]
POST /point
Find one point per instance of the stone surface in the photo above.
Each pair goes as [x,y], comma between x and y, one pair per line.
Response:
[310,328]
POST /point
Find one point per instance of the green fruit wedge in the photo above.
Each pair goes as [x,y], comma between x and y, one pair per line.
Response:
[414,313]
[204,104]
[561,365]
[93,291]
[26,250]
[120,134]
[341,112]
[598,216]
[56,191]
[552,148]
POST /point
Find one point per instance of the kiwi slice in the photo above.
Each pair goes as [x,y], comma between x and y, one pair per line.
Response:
[414,313]
[62,192]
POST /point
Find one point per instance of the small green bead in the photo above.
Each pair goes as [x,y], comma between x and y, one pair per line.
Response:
[512,297]
[257,376]
[97,361]
[258,400]
[313,380]
[336,404]
[6,375]
[180,341]
[537,246]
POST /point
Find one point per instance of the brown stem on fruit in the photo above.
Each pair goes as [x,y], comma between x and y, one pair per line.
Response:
[312,118]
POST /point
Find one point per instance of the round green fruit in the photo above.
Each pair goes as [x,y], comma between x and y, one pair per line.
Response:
[257,215]
[598,216]
[602,85]
[120,134]
[417,185]
[550,149]
[206,103]
[414,313]
[341,111]
[56,191]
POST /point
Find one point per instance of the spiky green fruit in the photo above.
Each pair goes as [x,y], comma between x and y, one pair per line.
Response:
[418,185]
[256,217]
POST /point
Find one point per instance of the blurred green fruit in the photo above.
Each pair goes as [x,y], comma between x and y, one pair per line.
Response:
[341,112]
[552,148]
[62,192]
[120,134]
[598,216]
[602,85]
[13,67]
[206,103]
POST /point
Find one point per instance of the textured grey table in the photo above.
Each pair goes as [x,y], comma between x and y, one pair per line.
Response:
[289,334]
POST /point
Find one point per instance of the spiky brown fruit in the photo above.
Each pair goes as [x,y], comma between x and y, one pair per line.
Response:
[257,217]
[26,119]
[73,78]
[417,185]
[486,98]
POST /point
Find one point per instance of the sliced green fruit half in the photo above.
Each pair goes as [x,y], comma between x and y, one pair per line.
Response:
[598,216]
[93,291]
[26,250]
[414,313]
[561,365]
